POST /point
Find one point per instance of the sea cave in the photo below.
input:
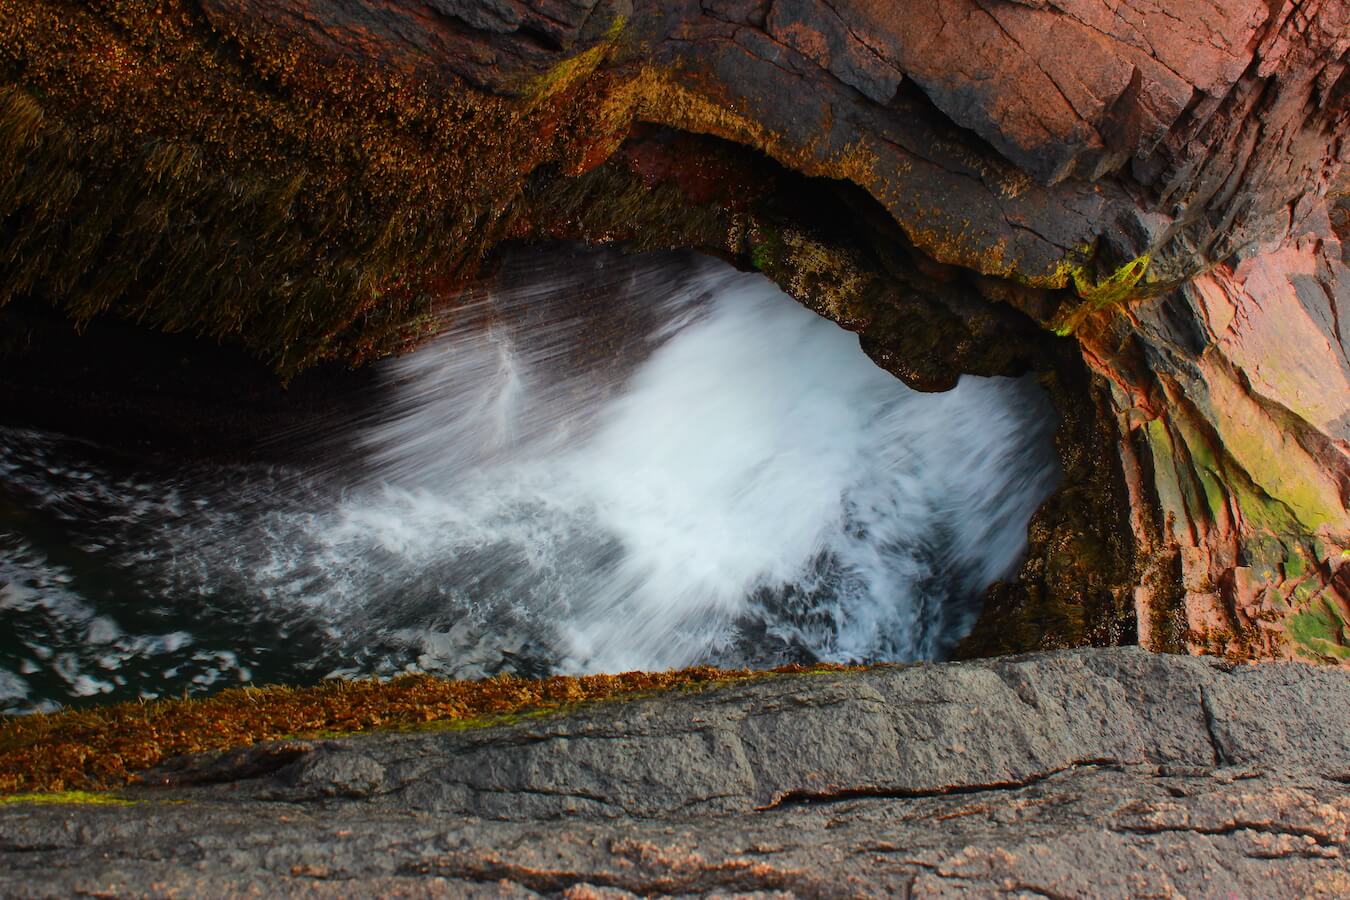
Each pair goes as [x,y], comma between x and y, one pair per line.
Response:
[599,448]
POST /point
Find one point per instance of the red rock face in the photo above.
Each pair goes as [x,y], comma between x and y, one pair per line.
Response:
[1238,386]
[1167,162]
[1132,125]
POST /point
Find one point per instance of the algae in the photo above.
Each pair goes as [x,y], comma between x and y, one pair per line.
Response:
[570,72]
[1320,633]
[65,797]
[1115,289]
[103,747]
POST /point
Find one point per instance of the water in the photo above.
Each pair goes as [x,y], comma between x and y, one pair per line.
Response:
[607,464]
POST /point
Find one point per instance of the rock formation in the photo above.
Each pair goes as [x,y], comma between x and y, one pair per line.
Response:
[1103,773]
[1129,197]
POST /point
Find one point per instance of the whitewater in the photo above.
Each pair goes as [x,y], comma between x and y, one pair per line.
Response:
[621,462]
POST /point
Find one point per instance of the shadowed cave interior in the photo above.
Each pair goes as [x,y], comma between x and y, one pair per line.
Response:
[604,461]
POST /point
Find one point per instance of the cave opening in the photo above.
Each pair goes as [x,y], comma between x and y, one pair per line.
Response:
[604,461]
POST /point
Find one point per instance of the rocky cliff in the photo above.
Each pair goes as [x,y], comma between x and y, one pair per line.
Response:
[1103,773]
[1136,199]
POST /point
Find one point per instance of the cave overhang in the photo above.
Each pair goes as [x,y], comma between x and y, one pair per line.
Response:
[1143,223]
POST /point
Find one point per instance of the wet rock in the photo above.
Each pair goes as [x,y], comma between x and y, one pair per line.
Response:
[1237,391]
[1147,180]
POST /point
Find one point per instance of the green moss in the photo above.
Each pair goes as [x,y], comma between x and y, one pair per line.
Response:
[80,797]
[1286,506]
[1063,274]
[1320,633]
[1314,627]
[569,72]
[1117,288]
[760,257]
[1203,473]
[766,250]
[1209,471]
[1192,478]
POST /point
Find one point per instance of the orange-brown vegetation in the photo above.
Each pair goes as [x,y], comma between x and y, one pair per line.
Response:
[104,747]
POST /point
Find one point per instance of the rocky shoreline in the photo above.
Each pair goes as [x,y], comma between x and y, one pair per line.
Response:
[1144,206]
[1075,773]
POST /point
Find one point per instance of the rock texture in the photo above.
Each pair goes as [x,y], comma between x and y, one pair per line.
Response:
[1235,389]
[1106,773]
[1148,181]
[1172,99]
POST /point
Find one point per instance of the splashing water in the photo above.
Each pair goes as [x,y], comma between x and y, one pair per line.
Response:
[637,462]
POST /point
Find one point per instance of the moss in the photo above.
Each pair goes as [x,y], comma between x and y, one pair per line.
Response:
[610,204]
[1167,609]
[1213,477]
[63,797]
[337,205]
[324,217]
[1320,633]
[1076,585]
[1203,471]
[1062,274]
[826,277]
[103,747]
[762,256]
[569,72]
[1095,295]
[1117,287]
[334,209]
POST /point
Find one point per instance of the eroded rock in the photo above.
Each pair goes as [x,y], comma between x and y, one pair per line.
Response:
[314,178]
[1086,773]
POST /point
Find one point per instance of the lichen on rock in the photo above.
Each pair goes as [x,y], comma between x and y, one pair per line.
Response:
[1131,205]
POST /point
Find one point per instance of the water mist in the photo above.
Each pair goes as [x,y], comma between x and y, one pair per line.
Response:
[603,463]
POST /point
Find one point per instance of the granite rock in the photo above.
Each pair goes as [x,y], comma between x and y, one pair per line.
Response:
[1104,773]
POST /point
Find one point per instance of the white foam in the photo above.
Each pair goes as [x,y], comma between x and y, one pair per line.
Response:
[755,445]
[642,463]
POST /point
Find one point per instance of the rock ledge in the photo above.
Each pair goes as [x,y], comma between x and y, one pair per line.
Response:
[1077,773]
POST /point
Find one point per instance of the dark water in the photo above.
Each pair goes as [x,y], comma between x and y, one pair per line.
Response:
[643,463]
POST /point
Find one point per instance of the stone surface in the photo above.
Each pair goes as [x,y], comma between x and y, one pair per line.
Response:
[1238,390]
[1097,102]
[1106,773]
[316,178]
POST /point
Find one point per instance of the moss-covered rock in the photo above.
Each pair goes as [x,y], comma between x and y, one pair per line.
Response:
[315,181]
